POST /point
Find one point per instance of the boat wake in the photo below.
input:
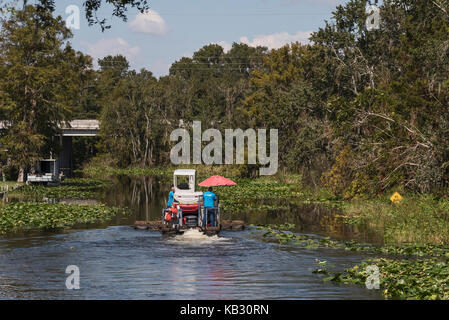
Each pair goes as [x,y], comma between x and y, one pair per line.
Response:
[195,237]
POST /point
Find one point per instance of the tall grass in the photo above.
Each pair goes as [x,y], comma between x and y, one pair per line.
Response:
[418,219]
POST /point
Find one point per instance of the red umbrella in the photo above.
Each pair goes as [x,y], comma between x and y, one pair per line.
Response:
[216,181]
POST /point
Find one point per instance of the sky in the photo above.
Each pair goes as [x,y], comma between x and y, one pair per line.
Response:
[176,28]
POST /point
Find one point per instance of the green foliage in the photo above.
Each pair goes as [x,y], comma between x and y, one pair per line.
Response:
[389,99]
[69,189]
[423,279]
[283,98]
[39,78]
[285,234]
[365,111]
[91,8]
[10,173]
[28,216]
[418,219]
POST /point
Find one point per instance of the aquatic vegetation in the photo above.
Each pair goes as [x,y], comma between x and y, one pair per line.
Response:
[420,219]
[418,272]
[284,234]
[71,188]
[257,194]
[29,215]
[424,279]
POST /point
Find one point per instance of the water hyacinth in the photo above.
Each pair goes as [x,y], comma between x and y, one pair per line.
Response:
[30,215]
[423,279]
[417,272]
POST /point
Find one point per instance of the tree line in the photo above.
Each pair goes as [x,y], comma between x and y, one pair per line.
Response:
[357,111]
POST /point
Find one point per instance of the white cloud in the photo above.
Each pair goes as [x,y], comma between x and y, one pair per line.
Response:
[149,22]
[277,40]
[225,45]
[113,47]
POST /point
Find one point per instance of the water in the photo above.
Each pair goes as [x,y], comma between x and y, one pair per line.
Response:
[118,262]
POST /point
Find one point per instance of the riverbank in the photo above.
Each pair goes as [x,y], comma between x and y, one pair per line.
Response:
[8,186]
[418,219]
[422,219]
[415,233]
[100,168]
[79,188]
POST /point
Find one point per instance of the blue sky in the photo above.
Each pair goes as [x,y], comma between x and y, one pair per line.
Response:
[177,28]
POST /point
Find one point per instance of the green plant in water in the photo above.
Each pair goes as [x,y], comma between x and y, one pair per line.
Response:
[28,215]
[69,189]
[423,279]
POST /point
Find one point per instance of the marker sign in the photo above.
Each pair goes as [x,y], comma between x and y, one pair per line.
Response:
[396,198]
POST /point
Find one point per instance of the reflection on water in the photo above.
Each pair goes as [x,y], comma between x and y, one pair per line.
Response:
[145,196]
[118,262]
[316,219]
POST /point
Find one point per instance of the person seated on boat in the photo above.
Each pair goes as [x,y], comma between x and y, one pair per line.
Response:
[209,205]
[171,197]
[171,214]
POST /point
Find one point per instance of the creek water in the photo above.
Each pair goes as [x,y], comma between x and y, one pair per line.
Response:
[118,262]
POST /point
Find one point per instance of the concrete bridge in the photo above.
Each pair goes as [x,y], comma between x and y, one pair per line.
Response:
[75,128]
[81,128]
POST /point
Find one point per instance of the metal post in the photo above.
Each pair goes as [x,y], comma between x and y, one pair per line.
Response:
[179,216]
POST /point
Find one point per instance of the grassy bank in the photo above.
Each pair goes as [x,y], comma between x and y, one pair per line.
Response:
[9,183]
[100,170]
[9,186]
[68,189]
[418,219]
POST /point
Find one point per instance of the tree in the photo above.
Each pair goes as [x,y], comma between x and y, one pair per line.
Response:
[38,83]
[389,106]
[132,120]
[216,82]
[287,94]
[91,8]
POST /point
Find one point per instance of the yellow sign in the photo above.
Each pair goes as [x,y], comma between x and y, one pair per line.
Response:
[396,198]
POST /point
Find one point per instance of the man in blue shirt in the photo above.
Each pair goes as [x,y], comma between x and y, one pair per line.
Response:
[209,204]
[171,197]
